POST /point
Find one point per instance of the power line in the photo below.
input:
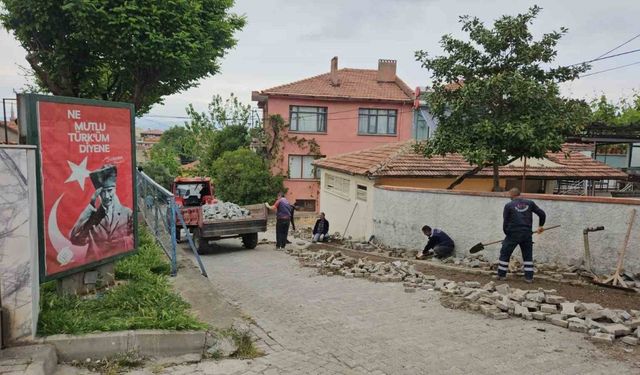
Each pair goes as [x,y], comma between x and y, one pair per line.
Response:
[625,43]
[610,69]
[607,57]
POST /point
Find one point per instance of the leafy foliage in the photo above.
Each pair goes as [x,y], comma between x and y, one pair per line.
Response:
[131,51]
[144,301]
[627,112]
[163,165]
[493,97]
[243,177]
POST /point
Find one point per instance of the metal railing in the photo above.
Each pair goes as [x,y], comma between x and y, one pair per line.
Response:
[157,206]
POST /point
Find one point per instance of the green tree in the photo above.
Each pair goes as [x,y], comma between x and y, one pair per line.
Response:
[626,112]
[209,128]
[163,165]
[178,139]
[132,51]
[496,98]
[603,111]
[243,177]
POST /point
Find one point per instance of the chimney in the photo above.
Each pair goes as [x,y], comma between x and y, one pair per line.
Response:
[334,72]
[386,70]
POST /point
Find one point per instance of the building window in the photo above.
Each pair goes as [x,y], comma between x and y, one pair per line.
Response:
[361,193]
[377,121]
[300,167]
[337,185]
[308,119]
[306,205]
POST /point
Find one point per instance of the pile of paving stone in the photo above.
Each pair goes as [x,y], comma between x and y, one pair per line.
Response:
[223,211]
[563,273]
[495,301]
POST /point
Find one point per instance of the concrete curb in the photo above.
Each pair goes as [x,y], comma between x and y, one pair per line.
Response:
[38,359]
[152,343]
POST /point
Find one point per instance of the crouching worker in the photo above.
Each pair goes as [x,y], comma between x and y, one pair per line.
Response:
[321,229]
[440,245]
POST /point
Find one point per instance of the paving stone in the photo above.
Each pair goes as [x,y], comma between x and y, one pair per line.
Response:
[568,308]
[616,329]
[535,297]
[532,306]
[503,289]
[602,337]
[518,295]
[551,299]
[558,320]
[472,284]
[634,323]
[520,310]
[630,340]
[546,308]
[538,315]
[578,327]
[500,315]
[504,304]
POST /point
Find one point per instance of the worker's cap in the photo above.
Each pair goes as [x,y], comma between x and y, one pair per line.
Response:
[104,177]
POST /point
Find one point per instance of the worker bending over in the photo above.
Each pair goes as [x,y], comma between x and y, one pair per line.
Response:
[439,245]
[517,226]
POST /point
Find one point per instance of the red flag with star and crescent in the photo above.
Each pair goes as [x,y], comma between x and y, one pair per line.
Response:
[87,183]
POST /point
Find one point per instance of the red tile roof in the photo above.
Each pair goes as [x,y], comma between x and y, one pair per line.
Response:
[400,160]
[152,132]
[354,84]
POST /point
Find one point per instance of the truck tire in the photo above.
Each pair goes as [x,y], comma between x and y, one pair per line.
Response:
[201,245]
[250,241]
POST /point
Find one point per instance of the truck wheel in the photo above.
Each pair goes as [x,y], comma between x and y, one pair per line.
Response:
[201,245]
[250,241]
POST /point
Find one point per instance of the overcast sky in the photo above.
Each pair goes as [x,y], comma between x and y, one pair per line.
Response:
[288,40]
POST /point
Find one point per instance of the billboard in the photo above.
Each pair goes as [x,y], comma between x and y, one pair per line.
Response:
[86,167]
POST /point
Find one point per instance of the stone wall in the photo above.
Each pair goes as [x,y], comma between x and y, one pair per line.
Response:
[472,217]
[19,287]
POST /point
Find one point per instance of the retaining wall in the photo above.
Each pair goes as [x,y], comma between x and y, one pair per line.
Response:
[19,287]
[472,217]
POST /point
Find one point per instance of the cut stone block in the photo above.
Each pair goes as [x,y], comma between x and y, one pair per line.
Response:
[602,337]
[500,315]
[546,308]
[503,289]
[616,329]
[630,340]
[554,299]
[536,297]
[537,315]
[568,308]
[557,320]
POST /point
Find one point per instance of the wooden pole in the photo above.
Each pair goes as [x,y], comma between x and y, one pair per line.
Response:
[616,279]
[524,175]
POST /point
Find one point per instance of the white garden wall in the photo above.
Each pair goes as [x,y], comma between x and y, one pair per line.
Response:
[469,218]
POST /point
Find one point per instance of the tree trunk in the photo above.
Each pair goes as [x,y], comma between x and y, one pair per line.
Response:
[496,178]
[466,174]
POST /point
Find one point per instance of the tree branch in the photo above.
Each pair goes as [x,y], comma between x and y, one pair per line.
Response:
[473,172]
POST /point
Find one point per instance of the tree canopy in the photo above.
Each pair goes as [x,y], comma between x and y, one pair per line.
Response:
[496,96]
[243,177]
[626,112]
[131,51]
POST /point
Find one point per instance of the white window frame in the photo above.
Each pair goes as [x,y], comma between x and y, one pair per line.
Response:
[314,171]
[362,192]
[337,185]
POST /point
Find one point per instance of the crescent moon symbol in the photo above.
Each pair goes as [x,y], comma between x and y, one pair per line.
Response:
[59,241]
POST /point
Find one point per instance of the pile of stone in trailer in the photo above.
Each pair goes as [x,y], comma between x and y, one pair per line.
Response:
[495,301]
[223,211]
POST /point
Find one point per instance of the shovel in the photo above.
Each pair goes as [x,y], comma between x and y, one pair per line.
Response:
[480,246]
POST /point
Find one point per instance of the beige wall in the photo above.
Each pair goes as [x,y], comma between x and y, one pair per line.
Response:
[470,184]
[338,208]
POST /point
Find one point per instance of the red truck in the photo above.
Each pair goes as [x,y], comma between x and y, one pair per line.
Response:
[191,193]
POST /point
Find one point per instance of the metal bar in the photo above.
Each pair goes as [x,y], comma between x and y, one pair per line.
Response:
[191,244]
[172,224]
[6,124]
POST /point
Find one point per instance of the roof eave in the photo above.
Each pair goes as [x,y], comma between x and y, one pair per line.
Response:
[335,98]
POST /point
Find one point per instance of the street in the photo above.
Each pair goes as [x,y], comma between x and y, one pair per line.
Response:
[314,324]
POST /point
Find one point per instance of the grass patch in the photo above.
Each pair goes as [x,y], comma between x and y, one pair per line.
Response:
[246,348]
[144,301]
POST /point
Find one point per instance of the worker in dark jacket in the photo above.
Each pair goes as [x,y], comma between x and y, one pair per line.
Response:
[321,229]
[517,226]
[439,245]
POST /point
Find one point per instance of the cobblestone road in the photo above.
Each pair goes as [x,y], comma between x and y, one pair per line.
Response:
[312,324]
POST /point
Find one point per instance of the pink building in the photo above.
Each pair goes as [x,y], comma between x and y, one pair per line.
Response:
[341,111]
